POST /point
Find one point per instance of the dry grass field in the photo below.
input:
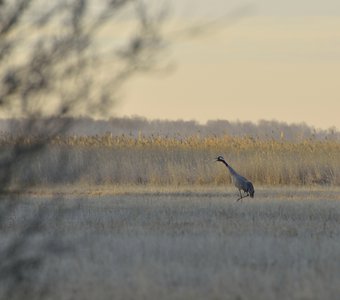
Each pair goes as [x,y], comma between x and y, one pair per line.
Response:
[156,160]
[182,243]
[119,217]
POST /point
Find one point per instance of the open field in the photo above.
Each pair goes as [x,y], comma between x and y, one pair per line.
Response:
[184,243]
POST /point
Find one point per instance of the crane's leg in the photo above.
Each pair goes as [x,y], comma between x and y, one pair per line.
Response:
[240,196]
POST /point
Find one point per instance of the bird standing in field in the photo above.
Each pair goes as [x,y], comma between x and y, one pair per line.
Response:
[239,181]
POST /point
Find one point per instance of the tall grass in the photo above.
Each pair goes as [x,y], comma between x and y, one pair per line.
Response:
[160,160]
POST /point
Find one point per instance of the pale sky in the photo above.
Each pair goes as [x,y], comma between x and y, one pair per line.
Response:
[279,61]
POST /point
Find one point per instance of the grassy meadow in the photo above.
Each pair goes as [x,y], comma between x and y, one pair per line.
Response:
[117,217]
[182,244]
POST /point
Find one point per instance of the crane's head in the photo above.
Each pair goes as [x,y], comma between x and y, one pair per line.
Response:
[220,158]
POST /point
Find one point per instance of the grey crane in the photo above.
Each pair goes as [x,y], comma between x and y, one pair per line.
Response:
[240,182]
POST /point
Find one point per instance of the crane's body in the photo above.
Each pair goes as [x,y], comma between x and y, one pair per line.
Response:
[241,183]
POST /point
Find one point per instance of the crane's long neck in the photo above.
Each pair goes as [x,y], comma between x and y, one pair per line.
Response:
[231,170]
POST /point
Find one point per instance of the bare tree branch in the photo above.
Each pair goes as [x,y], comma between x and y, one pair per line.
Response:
[49,68]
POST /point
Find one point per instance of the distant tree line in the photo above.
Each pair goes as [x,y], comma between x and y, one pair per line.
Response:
[136,126]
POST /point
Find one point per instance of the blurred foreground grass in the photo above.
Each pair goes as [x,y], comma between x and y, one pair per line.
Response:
[181,244]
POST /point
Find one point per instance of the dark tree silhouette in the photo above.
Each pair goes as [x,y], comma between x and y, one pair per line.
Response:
[52,65]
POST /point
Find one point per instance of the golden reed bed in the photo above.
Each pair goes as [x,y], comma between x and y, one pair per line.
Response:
[180,160]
